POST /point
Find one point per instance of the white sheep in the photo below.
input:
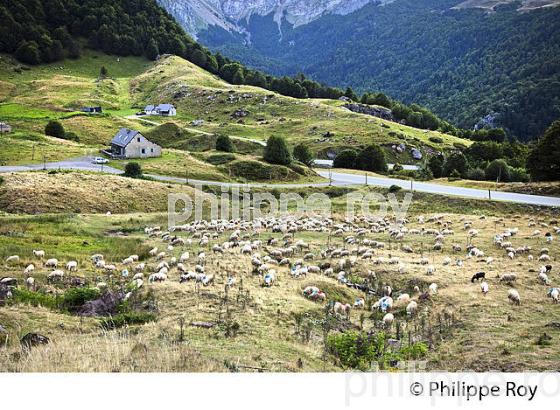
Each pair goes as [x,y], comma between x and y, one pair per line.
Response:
[403,299]
[411,308]
[39,254]
[52,263]
[153,252]
[30,268]
[484,288]
[513,296]
[433,288]
[430,270]
[12,259]
[30,282]
[508,278]
[55,275]
[388,320]
[554,294]
[184,257]
[72,266]
[128,261]
[543,278]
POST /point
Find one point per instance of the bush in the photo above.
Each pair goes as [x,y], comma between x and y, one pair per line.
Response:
[28,53]
[276,151]
[476,174]
[435,165]
[436,140]
[128,318]
[394,188]
[55,129]
[1,180]
[498,170]
[518,175]
[28,297]
[346,159]
[133,170]
[303,154]
[76,297]
[455,162]
[397,167]
[454,175]
[223,143]
[71,136]
[542,162]
[372,158]
[220,159]
[356,350]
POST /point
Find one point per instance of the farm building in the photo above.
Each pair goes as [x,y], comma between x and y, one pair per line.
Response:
[132,144]
[166,110]
[92,110]
[5,127]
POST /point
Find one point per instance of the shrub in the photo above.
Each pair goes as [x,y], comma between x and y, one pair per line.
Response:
[346,159]
[476,174]
[498,170]
[25,296]
[220,159]
[28,52]
[223,143]
[454,175]
[133,170]
[397,167]
[435,165]
[71,136]
[1,180]
[455,162]
[128,318]
[518,175]
[356,350]
[55,129]
[542,162]
[303,154]
[436,140]
[276,151]
[372,158]
[76,297]
[394,188]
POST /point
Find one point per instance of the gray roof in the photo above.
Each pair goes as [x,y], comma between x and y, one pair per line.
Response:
[149,107]
[123,137]
[165,107]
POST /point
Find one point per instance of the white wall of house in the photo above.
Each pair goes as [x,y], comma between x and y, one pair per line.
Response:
[140,147]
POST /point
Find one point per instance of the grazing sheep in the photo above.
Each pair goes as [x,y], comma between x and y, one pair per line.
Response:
[384,304]
[157,277]
[403,299]
[160,256]
[12,259]
[416,289]
[140,267]
[342,309]
[513,296]
[29,269]
[411,308]
[314,293]
[184,257]
[544,257]
[387,290]
[55,275]
[484,288]
[543,278]
[72,266]
[269,278]
[433,288]
[554,294]
[508,278]
[388,320]
[359,303]
[39,254]
[477,276]
[128,261]
[446,261]
[96,258]
[52,263]
[30,282]
[430,270]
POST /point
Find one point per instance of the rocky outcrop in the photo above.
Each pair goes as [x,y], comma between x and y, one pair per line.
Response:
[197,15]
[374,111]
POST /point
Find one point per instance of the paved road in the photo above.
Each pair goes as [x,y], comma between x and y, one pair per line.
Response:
[338,179]
[355,179]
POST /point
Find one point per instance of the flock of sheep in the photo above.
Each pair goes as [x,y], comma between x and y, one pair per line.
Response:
[350,257]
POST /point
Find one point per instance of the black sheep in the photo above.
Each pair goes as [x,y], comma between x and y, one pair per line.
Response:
[548,268]
[477,276]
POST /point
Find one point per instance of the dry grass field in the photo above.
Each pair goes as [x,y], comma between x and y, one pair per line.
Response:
[256,328]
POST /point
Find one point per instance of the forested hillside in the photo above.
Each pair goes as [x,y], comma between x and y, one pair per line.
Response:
[464,65]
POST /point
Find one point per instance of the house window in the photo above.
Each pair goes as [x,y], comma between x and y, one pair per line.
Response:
[143,150]
[152,150]
[138,139]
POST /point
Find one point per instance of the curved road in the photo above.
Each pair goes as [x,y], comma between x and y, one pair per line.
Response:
[337,179]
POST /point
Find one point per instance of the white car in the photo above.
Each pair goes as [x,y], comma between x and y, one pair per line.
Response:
[100,160]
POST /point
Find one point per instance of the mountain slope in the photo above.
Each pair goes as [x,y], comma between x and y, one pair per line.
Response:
[465,64]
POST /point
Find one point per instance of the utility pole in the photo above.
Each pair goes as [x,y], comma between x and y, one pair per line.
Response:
[366,177]
[44,162]
[330,177]
[33,153]
[186,177]
[411,186]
